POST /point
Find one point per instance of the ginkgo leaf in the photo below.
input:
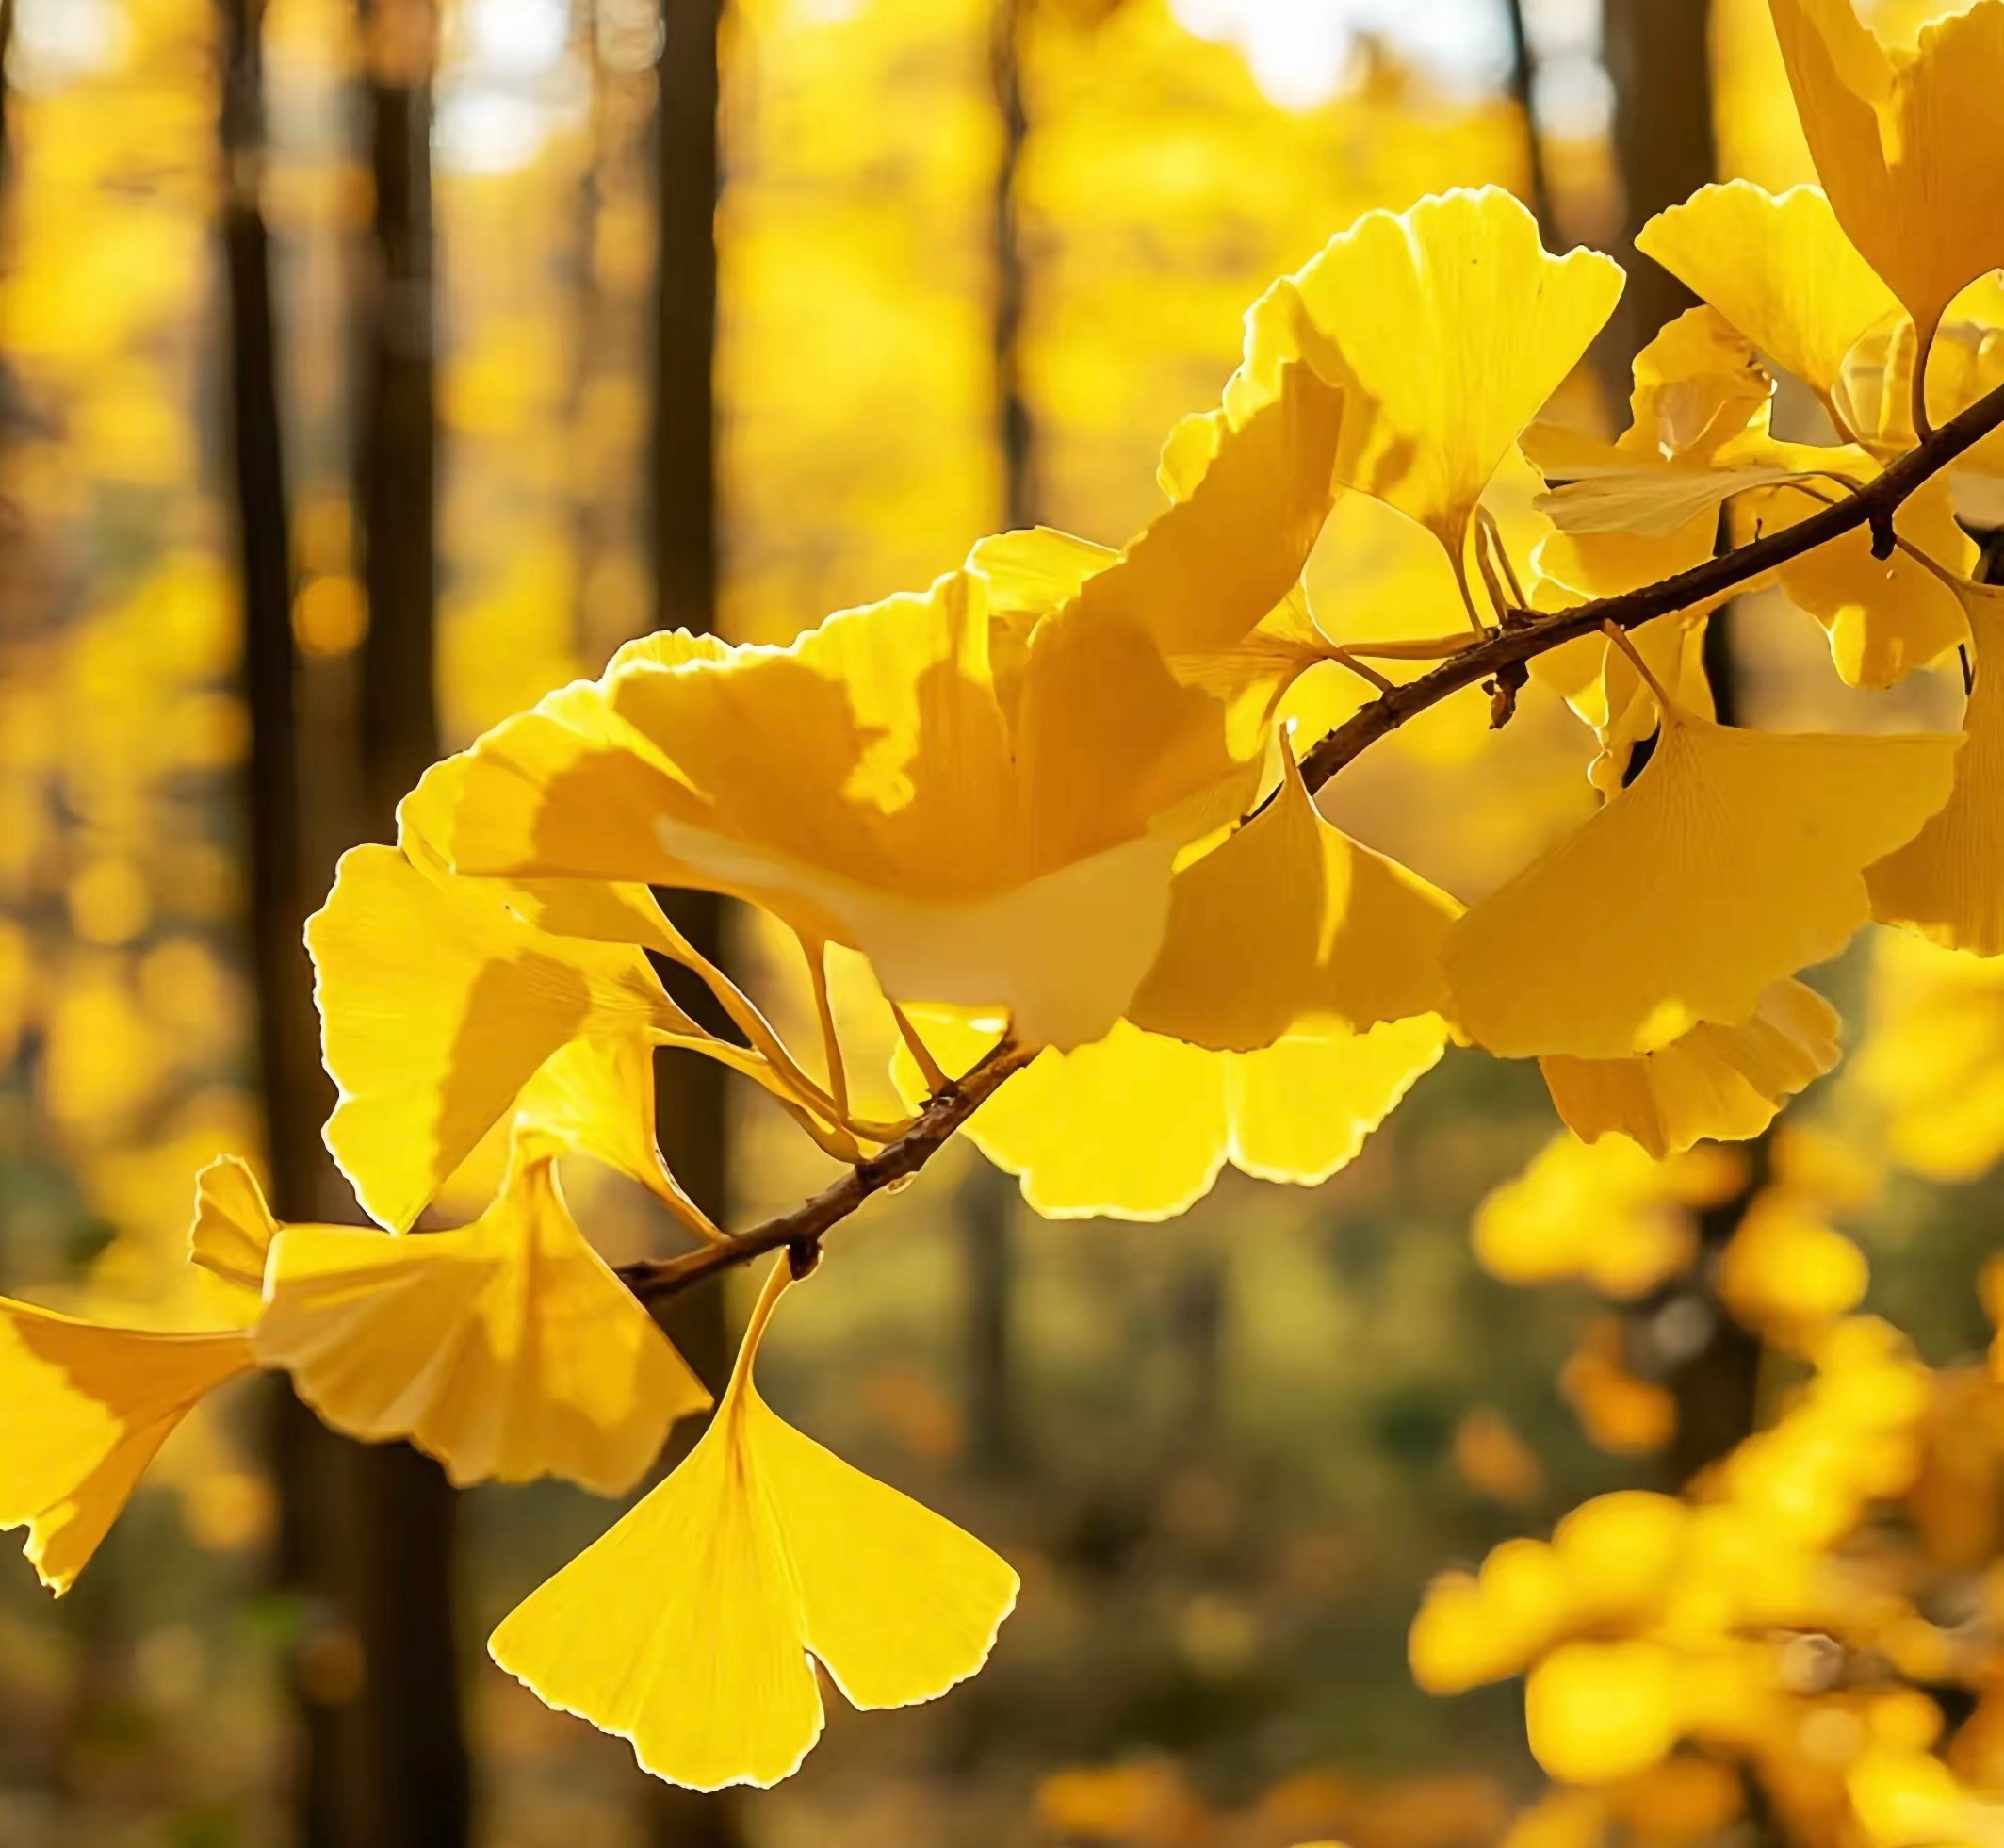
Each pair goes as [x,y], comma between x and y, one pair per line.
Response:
[230,1238]
[760,1551]
[1948,882]
[507,1350]
[1719,1084]
[1301,1109]
[1697,428]
[1734,859]
[1601,684]
[1906,145]
[596,1097]
[1037,569]
[87,1409]
[1652,499]
[1748,252]
[1885,616]
[876,786]
[1166,1117]
[1454,325]
[438,1004]
[1292,927]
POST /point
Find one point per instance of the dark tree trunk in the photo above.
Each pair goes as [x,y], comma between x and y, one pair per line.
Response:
[1014,434]
[367,1531]
[1715,1363]
[1524,93]
[1659,56]
[685,417]
[295,1093]
[397,487]
[989,1200]
[7,45]
[692,1104]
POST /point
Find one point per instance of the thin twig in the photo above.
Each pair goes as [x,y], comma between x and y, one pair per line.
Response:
[1873,505]
[801,1230]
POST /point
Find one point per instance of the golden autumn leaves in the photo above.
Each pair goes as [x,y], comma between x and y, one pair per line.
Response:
[1049,802]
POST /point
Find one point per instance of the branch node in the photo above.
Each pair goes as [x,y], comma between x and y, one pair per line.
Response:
[804,1257]
[1882,539]
[1503,687]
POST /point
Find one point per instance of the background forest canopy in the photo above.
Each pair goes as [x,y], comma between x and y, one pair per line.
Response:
[1589,1451]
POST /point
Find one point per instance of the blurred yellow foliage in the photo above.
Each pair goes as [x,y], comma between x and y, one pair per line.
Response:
[1602,1212]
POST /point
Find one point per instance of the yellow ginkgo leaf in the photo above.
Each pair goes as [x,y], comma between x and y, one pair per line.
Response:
[1733,861]
[1697,416]
[1292,927]
[879,784]
[1601,684]
[760,1551]
[1697,432]
[1748,252]
[230,1238]
[507,1350]
[1166,1117]
[1719,1084]
[1037,569]
[438,1002]
[1905,143]
[1454,324]
[1885,616]
[87,1409]
[596,1097]
[1948,882]
[1301,1109]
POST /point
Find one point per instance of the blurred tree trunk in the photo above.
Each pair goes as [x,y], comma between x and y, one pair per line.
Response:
[294,1093]
[989,1200]
[1658,54]
[367,1532]
[294,1090]
[1016,435]
[7,46]
[692,1104]
[397,487]
[1524,93]
[1714,1364]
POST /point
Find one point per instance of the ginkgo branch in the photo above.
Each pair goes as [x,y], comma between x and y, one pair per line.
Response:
[1500,656]
[801,1230]
[1508,652]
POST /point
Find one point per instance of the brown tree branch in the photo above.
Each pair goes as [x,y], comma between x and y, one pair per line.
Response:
[654,1279]
[1501,657]
[1503,654]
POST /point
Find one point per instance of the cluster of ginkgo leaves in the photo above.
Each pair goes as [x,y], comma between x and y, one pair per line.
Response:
[1818,1607]
[1054,801]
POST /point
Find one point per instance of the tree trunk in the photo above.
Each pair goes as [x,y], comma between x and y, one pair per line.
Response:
[7,45]
[692,1104]
[1524,93]
[366,1531]
[1659,56]
[989,1200]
